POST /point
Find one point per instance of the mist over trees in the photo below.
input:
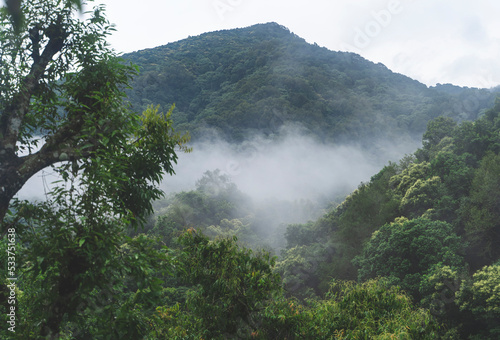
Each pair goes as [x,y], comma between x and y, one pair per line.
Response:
[239,253]
[420,224]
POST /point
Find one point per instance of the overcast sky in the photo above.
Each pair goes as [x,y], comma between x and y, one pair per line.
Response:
[433,41]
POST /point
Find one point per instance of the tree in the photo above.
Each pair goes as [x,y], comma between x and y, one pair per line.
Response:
[437,130]
[213,183]
[80,278]
[299,268]
[39,79]
[482,212]
[299,235]
[371,310]
[62,87]
[481,296]
[231,286]
[406,250]
[62,90]
[438,289]
[14,10]
[421,196]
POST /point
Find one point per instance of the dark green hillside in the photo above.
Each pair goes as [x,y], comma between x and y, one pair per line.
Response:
[89,261]
[430,225]
[261,77]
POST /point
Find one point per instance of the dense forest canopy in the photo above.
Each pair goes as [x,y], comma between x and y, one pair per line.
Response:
[412,253]
[429,224]
[262,77]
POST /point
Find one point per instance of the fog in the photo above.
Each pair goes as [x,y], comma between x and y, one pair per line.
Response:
[289,167]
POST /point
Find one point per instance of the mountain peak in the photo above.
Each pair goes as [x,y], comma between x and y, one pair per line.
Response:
[263,77]
[270,26]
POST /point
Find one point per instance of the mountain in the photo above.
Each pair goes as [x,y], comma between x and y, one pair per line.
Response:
[261,78]
[429,224]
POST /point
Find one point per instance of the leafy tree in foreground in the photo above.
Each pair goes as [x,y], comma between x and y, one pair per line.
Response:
[230,287]
[62,89]
[13,8]
[371,310]
[71,249]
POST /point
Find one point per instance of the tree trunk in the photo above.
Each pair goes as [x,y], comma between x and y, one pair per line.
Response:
[10,182]
[15,171]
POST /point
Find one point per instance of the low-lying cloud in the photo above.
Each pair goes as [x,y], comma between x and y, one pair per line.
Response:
[289,167]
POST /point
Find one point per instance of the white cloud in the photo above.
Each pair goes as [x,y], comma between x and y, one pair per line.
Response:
[290,168]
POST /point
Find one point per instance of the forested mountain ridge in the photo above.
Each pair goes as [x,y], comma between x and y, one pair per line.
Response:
[420,238]
[90,262]
[262,77]
[429,224]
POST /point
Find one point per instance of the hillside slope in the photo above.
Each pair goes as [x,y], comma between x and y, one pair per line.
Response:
[263,77]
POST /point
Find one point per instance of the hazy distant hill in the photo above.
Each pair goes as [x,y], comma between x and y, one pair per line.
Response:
[261,77]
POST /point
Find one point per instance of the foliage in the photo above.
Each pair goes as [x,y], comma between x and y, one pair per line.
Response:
[372,310]
[55,72]
[299,268]
[438,288]
[415,223]
[215,199]
[437,130]
[230,286]
[481,296]
[405,179]
[17,16]
[219,209]
[440,188]
[62,84]
[283,319]
[446,197]
[482,210]
[299,235]
[79,275]
[241,228]
[263,77]
[405,250]
[86,272]
[332,241]
[420,196]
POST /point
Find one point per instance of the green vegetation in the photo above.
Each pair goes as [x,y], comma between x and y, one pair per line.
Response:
[411,254]
[371,310]
[428,225]
[405,251]
[64,257]
[263,77]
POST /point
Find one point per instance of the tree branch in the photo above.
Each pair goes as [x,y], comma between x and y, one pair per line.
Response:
[13,115]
